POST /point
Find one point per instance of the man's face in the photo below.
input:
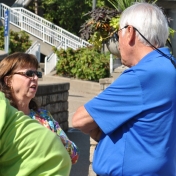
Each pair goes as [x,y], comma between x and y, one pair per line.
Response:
[127,45]
[123,46]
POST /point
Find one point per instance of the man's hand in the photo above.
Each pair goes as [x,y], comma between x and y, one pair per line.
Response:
[96,134]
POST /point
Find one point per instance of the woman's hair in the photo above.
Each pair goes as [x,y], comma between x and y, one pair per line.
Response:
[8,66]
[149,20]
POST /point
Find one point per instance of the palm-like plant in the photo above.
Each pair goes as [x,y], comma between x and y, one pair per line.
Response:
[121,4]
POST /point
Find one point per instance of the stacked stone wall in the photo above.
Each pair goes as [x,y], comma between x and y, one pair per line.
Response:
[54,98]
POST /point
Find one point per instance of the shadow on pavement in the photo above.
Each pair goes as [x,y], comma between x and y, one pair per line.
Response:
[81,168]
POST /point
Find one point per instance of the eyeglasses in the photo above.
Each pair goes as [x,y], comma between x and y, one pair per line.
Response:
[30,73]
[116,34]
[122,28]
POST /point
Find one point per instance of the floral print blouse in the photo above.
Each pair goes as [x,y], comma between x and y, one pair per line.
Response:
[45,118]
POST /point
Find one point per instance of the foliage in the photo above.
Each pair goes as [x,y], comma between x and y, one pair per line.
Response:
[65,13]
[122,4]
[18,42]
[69,15]
[172,32]
[84,63]
[99,27]
[114,23]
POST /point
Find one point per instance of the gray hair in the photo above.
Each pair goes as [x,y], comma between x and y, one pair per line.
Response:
[149,20]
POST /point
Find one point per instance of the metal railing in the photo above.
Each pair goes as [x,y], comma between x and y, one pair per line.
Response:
[41,28]
[51,61]
[21,3]
[18,3]
[35,50]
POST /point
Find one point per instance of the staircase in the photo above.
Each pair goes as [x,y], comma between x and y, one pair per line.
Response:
[40,29]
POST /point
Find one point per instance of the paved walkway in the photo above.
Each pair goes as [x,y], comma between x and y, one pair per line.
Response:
[83,141]
[80,92]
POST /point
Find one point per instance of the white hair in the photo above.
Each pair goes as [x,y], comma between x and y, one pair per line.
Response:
[149,20]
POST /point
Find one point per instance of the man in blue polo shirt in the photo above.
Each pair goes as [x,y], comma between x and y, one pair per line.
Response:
[134,119]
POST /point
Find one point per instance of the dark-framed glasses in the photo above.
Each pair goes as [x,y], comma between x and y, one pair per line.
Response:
[116,33]
[30,73]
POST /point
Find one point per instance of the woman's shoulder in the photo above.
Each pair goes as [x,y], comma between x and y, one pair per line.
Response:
[40,112]
[43,110]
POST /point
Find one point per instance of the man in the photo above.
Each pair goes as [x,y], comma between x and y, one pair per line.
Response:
[134,119]
[28,148]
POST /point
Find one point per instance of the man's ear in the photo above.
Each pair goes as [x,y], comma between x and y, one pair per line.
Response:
[131,35]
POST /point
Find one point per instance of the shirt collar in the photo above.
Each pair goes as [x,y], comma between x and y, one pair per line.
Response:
[155,54]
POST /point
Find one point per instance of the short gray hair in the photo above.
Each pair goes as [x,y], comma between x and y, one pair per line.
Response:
[150,20]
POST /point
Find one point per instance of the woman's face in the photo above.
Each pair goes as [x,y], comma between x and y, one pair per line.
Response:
[23,87]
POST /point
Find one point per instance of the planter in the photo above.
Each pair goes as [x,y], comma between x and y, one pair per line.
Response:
[112,45]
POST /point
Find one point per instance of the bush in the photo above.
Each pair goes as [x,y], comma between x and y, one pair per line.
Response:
[18,42]
[84,63]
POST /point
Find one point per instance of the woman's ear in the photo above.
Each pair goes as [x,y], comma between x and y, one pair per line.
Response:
[7,81]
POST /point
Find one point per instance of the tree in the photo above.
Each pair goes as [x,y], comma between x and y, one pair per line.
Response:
[66,14]
[36,6]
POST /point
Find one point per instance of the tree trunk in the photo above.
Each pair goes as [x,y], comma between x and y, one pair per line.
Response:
[36,6]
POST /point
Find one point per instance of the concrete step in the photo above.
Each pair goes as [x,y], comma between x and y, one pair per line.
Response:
[118,71]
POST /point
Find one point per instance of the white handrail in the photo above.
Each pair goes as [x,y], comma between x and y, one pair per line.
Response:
[41,28]
[21,3]
[35,50]
[51,61]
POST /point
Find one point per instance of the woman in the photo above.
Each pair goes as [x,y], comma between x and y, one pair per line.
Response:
[19,83]
[24,148]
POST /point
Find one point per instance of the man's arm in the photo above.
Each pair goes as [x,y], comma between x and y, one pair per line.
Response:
[84,122]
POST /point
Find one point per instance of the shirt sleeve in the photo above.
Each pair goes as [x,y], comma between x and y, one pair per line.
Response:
[118,103]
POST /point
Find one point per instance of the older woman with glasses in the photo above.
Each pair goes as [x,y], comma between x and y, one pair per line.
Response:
[19,83]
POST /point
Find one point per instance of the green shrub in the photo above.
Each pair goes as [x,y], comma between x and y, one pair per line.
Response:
[18,42]
[84,63]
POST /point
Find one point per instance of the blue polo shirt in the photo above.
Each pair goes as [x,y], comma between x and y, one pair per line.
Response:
[137,114]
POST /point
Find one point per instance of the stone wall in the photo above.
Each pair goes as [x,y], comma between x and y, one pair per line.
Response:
[105,82]
[54,98]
